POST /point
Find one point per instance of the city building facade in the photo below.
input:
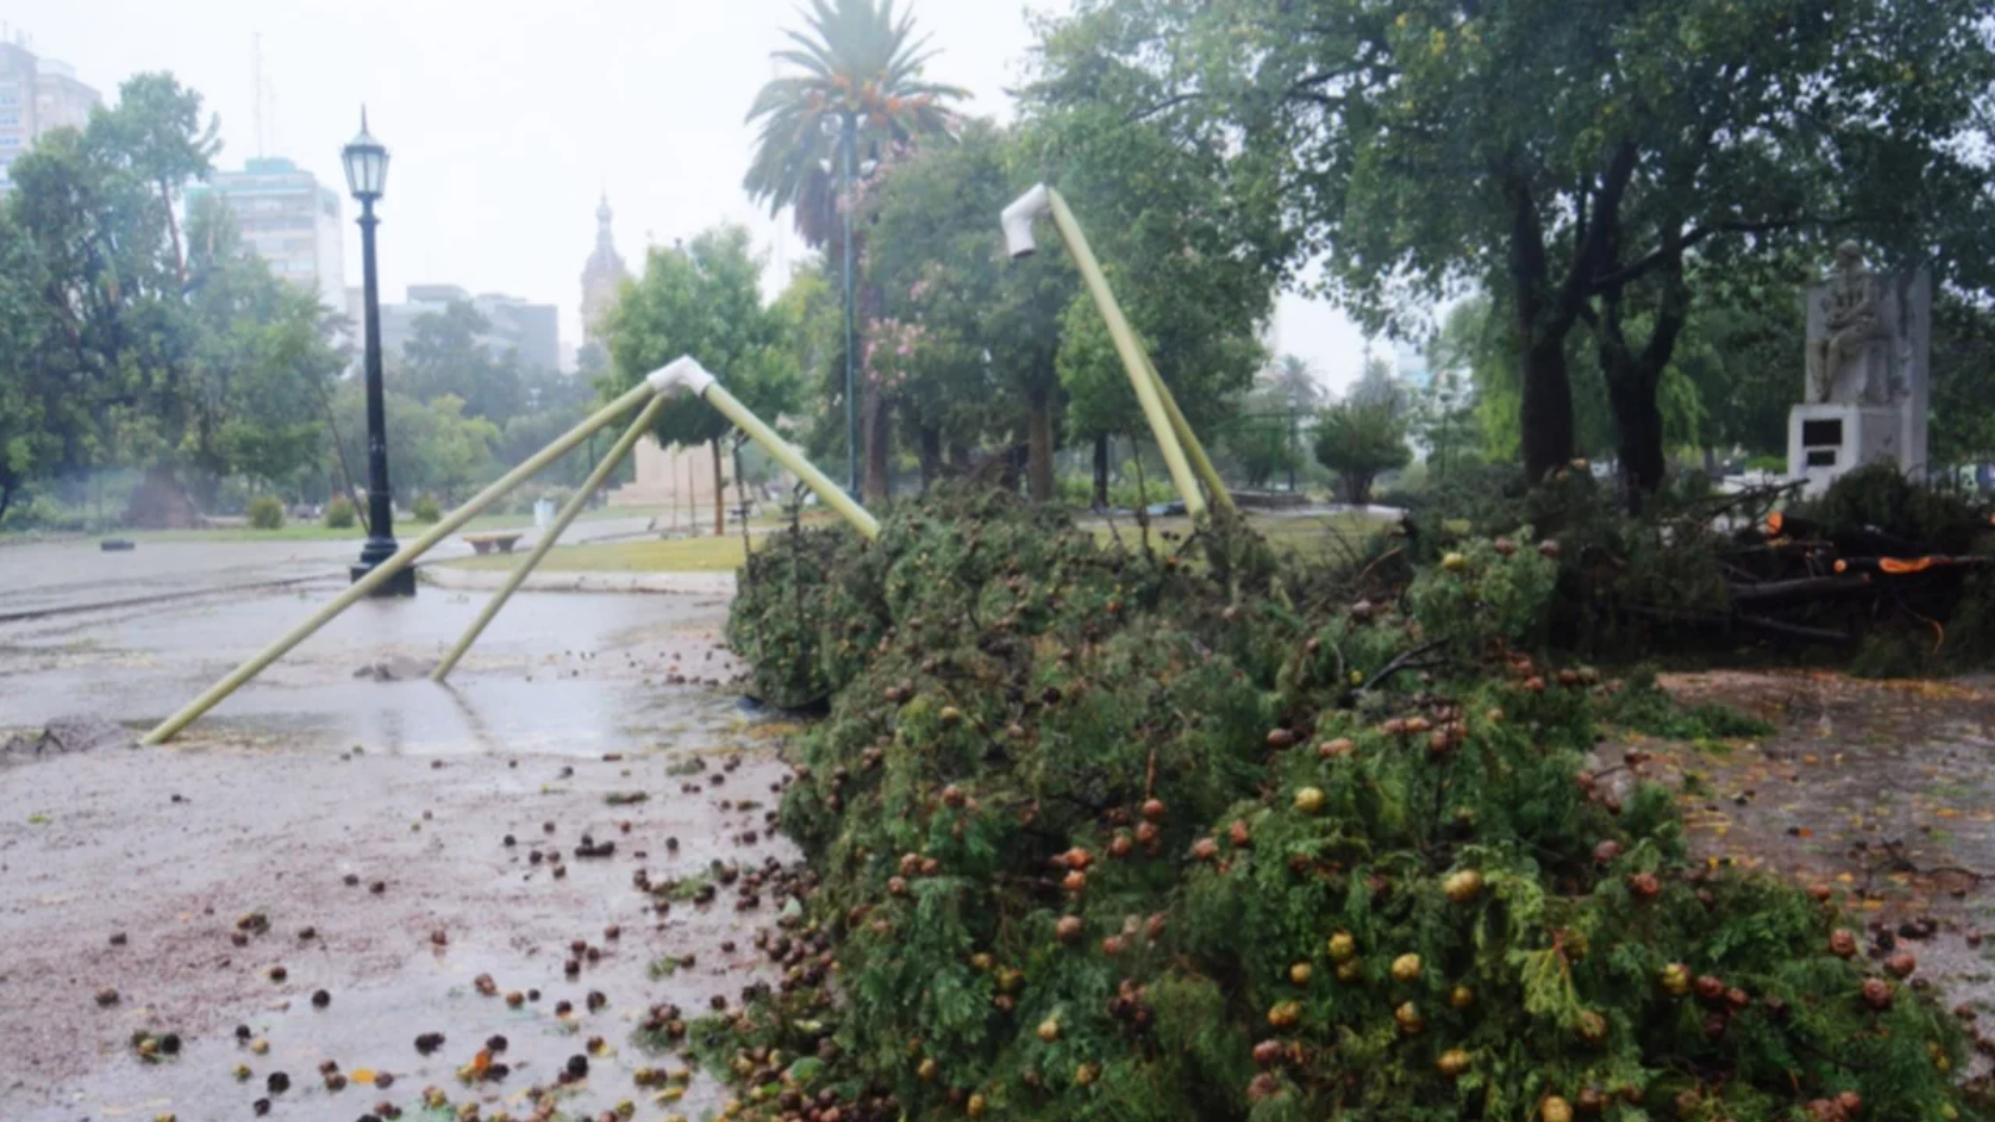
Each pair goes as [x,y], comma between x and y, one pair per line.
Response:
[288,218]
[512,324]
[37,96]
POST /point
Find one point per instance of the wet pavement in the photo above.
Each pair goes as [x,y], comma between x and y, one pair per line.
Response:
[67,573]
[137,870]
[1884,791]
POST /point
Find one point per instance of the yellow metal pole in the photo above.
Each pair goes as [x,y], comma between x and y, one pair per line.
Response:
[1131,353]
[827,491]
[561,522]
[394,564]
[1221,497]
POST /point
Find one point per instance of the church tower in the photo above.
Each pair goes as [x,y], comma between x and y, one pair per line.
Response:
[601,277]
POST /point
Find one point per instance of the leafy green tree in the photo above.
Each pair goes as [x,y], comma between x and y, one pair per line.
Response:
[968,338]
[704,299]
[1578,166]
[1359,439]
[156,136]
[1193,251]
[34,427]
[261,361]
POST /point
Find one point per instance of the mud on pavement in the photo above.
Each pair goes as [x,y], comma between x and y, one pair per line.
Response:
[266,915]
[1879,792]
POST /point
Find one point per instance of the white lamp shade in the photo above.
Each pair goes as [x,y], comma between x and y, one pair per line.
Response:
[366,164]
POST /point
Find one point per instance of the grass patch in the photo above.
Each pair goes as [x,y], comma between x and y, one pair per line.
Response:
[680,555]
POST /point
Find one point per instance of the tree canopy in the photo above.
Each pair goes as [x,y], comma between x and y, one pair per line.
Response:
[1583,168]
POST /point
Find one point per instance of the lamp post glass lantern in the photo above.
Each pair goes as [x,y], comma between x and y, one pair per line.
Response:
[366,163]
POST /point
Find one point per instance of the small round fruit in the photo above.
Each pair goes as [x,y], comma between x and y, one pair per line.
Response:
[1069,929]
[974,1107]
[1120,846]
[1350,971]
[1554,1109]
[1406,968]
[1300,973]
[1877,993]
[1454,562]
[1279,738]
[1153,810]
[1462,886]
[1591,1026]
[1284,1014]
[1337,749]
[1408,1016]
[1342,946]
[1049,1030]
[1113,945]
[1644,886]
[1452,1063]
[1461,997]
[1268,1053]
[1901,965]
[1675,979]
[926,1072]
[1606,852]
[1205,849]
[1310,800]
[1085,1074]
[1842,943]
[1075,881]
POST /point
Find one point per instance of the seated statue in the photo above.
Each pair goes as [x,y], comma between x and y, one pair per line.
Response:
[1853,362]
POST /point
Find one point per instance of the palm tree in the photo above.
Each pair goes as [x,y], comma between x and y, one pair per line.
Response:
[860,78]
[860,86]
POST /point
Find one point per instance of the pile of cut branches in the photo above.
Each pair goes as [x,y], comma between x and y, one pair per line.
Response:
[1107,834]
[1895,575]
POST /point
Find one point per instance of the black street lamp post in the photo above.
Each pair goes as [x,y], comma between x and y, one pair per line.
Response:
[366,174]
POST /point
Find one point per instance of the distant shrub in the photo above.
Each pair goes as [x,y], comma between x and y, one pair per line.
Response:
[340,514]
[266,512]
[426,510]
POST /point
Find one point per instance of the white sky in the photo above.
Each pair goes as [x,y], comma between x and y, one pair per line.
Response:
[505,118]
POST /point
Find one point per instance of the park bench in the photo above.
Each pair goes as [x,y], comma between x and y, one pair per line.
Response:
[502,540]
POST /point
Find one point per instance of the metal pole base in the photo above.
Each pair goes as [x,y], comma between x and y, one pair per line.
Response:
[402,583]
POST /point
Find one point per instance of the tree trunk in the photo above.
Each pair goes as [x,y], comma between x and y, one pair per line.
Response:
[874,412]
[1039,444]
[928,449]
[6,500]
[1631,394]
[1101,471]
[719,492]
[173,230]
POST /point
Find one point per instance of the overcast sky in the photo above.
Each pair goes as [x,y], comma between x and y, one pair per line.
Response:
[506,118]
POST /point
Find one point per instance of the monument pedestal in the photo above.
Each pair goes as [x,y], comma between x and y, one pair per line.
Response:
[1827,439]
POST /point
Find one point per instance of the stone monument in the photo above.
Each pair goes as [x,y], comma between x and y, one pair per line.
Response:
[1867,388]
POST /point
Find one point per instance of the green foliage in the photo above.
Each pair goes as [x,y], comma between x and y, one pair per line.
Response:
[859,65]
[266,512]
[1641,705]
[1358,441]
[1605,176]
[340,514]
[703,300]
[425,509]
[1881,499]
[1005,693]
[964,340]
